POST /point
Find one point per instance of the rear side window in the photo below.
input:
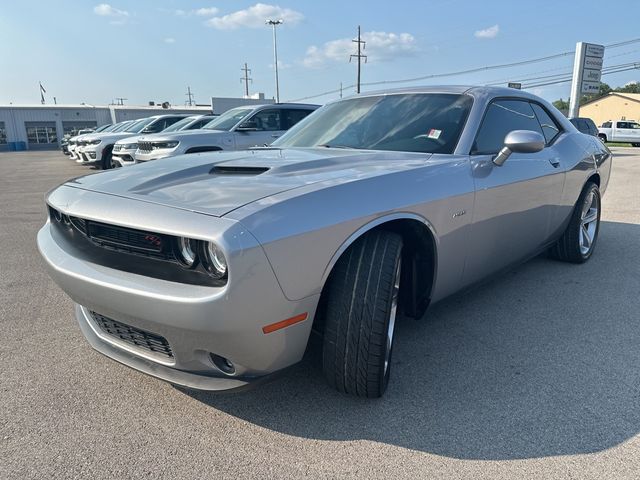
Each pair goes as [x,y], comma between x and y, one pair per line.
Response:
[593,130]
[293,116]
[502,117]
[550,128]
[622,125]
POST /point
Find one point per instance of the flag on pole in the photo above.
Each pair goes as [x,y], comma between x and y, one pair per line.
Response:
[42,92]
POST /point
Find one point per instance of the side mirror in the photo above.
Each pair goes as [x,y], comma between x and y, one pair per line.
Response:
[519,141]
[248,126]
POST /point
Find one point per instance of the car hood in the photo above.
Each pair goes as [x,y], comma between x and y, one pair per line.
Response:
[215,183]
[107,137]
[179,135]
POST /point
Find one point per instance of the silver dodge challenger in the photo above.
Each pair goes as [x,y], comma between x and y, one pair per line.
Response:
[214,270]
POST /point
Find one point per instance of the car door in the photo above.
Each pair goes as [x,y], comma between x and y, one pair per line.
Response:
[268,124]
[516,202]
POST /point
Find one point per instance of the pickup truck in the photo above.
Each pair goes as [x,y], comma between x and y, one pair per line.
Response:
[627,131]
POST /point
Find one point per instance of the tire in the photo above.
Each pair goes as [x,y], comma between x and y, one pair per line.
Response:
[603,137]
[107,162]
[360,313]
[578,241]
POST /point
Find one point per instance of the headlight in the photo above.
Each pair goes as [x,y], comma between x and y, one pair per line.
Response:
[93,142]
[213,260]
[186,252]
[130,146]
[161,145]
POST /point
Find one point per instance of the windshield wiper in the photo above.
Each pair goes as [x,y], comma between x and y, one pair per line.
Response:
[326,145]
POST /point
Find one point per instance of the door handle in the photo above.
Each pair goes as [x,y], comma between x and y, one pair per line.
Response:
[275,136]
[555,161]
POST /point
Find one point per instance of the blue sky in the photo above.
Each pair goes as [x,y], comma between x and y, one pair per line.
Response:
[88,51]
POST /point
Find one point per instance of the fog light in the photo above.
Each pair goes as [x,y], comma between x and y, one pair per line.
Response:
[225,365]
[92,154]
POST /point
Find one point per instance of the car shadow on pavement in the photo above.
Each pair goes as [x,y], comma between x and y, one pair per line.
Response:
[542,361]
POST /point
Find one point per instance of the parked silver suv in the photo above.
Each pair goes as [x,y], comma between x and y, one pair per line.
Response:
[236,129]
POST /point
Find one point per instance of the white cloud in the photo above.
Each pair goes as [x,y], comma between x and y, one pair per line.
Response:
[380,47]
[169,40]
[119,17]
[206,11]
[255,17]
[491,32]
[201,12]
[281,65]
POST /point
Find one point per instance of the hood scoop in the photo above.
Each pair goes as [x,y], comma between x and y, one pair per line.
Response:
[237,170]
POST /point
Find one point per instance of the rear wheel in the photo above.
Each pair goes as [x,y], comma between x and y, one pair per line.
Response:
[360,315]
[579,239]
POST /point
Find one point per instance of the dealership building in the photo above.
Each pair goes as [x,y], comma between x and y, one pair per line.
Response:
[614,106]
[41,127]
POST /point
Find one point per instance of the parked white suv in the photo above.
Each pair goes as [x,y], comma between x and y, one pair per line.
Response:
[124,149]
[627,131]
[236,129]
[99,148]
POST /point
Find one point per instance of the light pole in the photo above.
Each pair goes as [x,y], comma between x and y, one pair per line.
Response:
[274,24]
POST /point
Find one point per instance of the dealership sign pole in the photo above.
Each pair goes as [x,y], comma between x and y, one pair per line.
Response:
[587,71]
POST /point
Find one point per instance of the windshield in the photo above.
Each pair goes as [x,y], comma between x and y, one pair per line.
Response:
[121,126]
[421,122]
[179,124]
[103,128]
[228,119]
[138,125]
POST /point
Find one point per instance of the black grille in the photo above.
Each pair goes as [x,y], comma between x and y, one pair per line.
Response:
[145,146]
[124,239]
[133,336]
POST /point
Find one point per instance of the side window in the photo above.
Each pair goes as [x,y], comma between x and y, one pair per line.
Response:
[606,125]
[167,122]
[268,120]
[550,128]
[502,117]
[622,125]
[292,116]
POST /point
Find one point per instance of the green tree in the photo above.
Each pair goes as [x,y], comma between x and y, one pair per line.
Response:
[562,105]
[633,87]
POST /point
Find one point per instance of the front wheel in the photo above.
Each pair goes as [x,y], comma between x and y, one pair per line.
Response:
[579,239]
[107,162]
[360,315]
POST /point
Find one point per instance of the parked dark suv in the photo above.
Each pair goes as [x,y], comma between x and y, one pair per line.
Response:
[585,125]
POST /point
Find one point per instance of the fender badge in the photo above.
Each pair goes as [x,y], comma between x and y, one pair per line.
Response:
[458,214]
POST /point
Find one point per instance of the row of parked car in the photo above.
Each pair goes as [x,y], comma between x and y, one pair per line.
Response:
[160,136]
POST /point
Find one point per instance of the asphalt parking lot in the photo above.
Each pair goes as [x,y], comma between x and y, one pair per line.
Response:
[532,375]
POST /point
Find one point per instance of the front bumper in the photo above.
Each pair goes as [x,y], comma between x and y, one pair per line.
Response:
[195,320]
[123,157]
[146,155]
[90,154]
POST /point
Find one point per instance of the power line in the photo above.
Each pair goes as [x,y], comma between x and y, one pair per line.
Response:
[473,70]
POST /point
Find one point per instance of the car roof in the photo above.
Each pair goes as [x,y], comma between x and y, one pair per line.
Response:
[474,90]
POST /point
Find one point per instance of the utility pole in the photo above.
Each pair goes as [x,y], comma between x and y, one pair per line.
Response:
[274,24]
[246,79]
[189,96]
[361,46]
[120,100]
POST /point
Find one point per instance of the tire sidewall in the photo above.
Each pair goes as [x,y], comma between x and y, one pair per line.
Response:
[385,375]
